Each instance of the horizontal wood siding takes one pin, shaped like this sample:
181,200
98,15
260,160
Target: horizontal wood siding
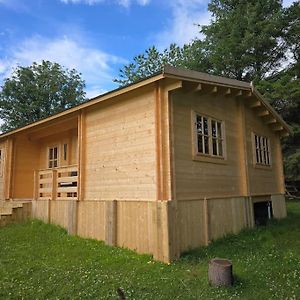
262,180
198,179
3,170
25,162
120,148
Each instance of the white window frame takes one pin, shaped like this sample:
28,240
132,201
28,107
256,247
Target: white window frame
219,137
261,150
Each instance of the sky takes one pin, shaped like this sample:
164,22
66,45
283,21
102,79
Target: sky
96,37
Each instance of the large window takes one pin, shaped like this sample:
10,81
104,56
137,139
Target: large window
262,150
210,140
53,157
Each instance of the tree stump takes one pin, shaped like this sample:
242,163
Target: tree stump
220,272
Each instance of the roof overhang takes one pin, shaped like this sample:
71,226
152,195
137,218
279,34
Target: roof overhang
227,85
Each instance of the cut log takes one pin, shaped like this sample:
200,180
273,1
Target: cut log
220,272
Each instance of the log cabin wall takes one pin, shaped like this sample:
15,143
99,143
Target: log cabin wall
26,154
215,196
119,146
263,180
3,150
140,182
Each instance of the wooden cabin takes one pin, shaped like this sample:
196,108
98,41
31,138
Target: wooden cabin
161,166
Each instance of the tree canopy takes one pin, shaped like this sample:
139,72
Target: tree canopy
252,40
38,91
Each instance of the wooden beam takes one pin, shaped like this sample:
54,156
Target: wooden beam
214,90
249,94
228,92
239,93
263,113
271,121
255,104
192,87
277,128
284,134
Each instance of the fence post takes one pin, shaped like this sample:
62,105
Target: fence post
54,185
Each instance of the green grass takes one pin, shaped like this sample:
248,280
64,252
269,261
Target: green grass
39,261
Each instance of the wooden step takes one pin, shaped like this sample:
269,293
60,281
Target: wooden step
14,212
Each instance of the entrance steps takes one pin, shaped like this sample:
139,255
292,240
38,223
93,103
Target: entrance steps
14,211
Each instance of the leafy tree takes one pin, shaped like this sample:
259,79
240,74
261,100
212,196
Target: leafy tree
283,91
244,39
37,91
146,64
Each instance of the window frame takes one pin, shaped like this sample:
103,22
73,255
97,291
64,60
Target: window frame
209,156
263,147
52,160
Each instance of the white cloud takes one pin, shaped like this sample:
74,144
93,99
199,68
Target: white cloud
95,65
287,3
182,27
125,3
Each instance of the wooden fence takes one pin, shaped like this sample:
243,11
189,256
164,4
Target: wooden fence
57,184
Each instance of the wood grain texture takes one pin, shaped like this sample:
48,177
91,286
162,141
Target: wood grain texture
120,149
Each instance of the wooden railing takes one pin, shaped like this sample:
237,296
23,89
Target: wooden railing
57,184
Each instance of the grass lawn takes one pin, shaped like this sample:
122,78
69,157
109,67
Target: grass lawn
39,261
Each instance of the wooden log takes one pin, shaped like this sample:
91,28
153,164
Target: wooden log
220,272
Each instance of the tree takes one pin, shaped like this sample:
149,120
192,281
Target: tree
191,56
40,90
283,91
244,40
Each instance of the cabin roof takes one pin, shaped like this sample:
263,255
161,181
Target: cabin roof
167,72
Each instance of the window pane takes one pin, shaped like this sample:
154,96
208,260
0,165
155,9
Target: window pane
257,155
206,147
50,164
214,147
219,127
199,125
51,153
65,151
55,163
200,143
55,152
220,148
205,126
213,129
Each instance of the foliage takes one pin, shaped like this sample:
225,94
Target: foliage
40,261
283,91
244,39
252,40
37,91
152,61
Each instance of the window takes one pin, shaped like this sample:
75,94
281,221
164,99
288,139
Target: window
262,150
1,162
209,136
65,151
53,157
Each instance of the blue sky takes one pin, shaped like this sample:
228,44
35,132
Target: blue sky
96,37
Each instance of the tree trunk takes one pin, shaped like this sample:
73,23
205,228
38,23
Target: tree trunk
220,272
